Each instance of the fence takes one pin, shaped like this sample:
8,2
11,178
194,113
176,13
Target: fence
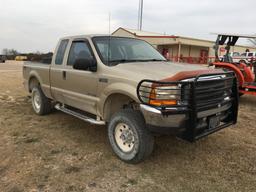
192,60
206,60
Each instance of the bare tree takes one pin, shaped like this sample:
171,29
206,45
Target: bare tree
5,51
38,53
12,52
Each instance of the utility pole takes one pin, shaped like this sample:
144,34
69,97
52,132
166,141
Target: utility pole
140,14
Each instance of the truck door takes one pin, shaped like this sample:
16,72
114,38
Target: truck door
79,87
57,70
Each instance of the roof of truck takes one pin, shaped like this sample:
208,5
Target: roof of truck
87,36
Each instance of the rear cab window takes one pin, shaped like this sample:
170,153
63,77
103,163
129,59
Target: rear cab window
61,52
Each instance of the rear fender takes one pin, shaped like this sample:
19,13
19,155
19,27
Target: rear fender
34,75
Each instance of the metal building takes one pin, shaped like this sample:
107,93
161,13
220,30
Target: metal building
178,48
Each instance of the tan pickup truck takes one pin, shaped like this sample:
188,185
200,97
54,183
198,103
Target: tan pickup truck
127,85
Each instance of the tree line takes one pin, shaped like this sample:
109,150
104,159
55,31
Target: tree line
37,56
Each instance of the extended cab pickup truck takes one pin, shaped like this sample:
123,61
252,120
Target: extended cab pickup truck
129,86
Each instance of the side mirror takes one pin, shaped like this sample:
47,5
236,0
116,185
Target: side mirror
85,64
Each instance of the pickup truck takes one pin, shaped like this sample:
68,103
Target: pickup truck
126,84
248,57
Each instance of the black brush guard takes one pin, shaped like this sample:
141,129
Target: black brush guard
196,96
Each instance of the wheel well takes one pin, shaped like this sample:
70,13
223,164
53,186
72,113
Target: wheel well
33,82
115,102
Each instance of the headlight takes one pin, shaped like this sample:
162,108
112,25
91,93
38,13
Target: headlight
165,95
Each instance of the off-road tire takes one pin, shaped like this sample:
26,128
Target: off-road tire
45,103
143,142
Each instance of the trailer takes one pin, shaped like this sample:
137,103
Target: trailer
246,74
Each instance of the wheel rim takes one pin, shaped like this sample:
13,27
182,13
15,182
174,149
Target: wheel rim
125,137
36,101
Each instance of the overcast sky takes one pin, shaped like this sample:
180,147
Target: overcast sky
31,25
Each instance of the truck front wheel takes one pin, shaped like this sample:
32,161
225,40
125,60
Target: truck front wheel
128,136
41,104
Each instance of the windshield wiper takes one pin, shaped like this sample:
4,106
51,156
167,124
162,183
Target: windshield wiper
134,60
117,61
121,60
153,60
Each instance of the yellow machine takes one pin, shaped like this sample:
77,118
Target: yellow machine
21,58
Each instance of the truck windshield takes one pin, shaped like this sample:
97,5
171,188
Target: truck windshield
116,50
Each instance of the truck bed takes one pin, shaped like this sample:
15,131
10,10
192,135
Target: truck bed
40,71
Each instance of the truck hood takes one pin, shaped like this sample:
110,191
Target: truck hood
159,70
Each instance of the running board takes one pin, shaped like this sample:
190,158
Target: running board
78,115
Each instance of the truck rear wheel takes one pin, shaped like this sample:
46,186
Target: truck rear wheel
41,104
128,136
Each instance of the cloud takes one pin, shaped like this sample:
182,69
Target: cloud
29,25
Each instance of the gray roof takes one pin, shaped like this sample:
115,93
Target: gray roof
237,35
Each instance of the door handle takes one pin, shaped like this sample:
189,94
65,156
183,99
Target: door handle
64,75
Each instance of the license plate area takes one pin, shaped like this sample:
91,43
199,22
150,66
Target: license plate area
213,122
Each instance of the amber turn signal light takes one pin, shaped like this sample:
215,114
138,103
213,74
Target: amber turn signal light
159,102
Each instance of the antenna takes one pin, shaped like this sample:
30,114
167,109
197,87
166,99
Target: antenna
109,33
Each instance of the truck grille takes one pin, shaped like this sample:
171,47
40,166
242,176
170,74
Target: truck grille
203,93
213,93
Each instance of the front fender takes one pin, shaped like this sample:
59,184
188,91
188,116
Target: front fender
117,88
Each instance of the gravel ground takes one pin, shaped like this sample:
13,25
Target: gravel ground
58,152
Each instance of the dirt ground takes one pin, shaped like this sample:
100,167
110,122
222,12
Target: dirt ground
58,152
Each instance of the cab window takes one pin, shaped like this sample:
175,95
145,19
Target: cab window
79,50
61,52
250,54
236,54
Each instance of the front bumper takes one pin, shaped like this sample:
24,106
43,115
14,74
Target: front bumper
176,120
211,105
156,118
